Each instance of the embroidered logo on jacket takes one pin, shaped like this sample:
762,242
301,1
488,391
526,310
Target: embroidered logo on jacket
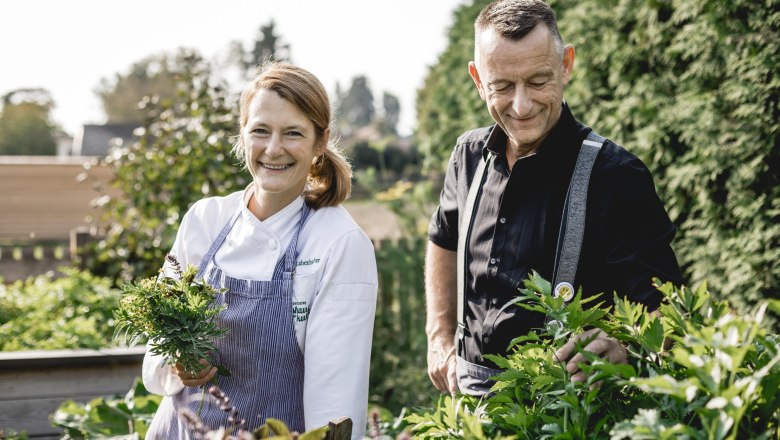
308,262
300,311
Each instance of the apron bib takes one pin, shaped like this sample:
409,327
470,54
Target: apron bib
261,351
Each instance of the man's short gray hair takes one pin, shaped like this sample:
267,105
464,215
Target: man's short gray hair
514,19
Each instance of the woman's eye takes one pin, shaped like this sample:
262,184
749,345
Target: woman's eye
294,133
260,131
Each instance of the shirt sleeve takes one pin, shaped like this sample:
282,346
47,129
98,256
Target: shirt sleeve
338,336
637,235
443,227
156,373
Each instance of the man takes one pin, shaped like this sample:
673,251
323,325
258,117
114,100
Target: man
518,219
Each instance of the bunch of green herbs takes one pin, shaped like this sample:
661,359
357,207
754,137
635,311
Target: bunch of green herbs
177,315
696,370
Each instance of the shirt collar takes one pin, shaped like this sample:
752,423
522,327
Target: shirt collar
282,217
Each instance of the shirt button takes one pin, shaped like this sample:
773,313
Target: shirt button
272,244
494,301
502,220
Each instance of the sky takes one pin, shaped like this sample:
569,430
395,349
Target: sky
67,47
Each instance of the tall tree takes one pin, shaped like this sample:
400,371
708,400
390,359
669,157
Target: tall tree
267,46
25,124
690,87
356,105
391,113
122,94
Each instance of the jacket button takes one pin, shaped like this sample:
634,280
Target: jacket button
492,261
502,220
486,339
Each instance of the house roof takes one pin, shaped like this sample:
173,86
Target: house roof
97,139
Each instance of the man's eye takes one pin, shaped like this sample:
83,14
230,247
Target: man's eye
537,84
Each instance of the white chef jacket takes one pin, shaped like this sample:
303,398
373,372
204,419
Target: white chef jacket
334,298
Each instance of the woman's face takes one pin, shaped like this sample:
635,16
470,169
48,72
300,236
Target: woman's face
280,143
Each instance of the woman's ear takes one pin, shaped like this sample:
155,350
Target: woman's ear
323,144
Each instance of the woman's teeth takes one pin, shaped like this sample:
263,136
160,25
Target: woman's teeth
275,167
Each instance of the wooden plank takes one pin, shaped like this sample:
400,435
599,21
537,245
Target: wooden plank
67,382
30,415
339,429
34,383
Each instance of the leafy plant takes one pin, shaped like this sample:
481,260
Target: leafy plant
128,417
43,313
718,380
176,315
13,435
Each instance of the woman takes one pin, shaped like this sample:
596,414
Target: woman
301,274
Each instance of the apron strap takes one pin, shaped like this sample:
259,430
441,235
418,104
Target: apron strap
572,228
216,244
464,234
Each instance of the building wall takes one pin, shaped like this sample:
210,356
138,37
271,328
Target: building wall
41,198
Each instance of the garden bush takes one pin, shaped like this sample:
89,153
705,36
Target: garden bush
716,377
42,313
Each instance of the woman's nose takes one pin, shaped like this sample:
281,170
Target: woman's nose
274,146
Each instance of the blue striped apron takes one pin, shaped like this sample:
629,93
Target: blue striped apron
261,351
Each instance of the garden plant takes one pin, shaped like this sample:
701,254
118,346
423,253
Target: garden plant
695,370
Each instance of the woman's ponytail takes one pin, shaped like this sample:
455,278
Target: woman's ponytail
330,179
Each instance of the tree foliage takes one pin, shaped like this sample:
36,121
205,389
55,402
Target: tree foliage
267,46
356,105
151,76
692,88
184,154
25,124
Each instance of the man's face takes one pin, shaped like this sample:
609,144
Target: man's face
522,83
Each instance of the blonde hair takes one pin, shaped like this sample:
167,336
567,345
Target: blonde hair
330,177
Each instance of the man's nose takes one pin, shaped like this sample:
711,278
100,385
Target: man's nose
521,101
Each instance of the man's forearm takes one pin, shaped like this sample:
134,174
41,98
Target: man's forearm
440,293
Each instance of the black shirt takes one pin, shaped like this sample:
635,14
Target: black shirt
517,220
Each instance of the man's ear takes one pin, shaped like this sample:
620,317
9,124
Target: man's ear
477,81
567,63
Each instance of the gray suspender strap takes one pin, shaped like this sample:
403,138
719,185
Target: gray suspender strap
464,232
573,219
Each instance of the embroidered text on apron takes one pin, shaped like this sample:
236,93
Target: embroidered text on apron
261,351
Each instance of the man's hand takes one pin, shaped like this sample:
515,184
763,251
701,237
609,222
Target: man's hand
610,349
441,366
441,306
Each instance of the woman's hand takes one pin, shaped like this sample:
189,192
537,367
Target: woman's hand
197,379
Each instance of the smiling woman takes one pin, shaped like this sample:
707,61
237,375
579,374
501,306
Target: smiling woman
300,274
285,128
